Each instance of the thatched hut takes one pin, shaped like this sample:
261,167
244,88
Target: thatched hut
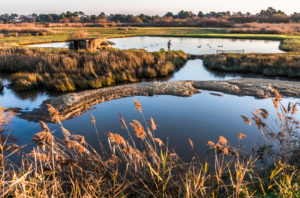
91,44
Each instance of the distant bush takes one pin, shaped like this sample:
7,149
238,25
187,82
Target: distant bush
266,28
26,28
199,22
290,45
79,35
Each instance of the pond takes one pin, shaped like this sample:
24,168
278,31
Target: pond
202,117
195,46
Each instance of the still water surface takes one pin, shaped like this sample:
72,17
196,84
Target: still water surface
195,46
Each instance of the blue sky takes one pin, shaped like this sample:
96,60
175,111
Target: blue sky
143,6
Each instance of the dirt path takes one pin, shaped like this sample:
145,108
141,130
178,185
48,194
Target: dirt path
74,104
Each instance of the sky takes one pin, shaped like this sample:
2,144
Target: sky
151,7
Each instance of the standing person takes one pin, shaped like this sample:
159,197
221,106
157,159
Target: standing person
169,45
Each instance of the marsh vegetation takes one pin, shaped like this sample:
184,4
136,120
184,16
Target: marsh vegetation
285,65
64,70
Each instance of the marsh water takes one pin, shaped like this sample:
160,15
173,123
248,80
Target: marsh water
202,117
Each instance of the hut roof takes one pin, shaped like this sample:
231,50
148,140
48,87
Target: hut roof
111,43
100,40
81,39
105,43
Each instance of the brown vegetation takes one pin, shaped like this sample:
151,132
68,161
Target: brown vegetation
290,45
24,29
266,28
79,35
66,70
193,22
287,65
144,166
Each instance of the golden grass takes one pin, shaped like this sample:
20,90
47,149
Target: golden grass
65,70
79,35
24,29
145,167
286,65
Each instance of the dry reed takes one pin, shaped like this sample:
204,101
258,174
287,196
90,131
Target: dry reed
69,70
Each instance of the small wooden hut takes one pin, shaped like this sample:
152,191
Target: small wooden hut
91,44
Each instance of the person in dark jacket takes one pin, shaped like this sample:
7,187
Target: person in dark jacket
169,45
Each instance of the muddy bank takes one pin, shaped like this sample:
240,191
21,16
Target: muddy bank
74,104
259,88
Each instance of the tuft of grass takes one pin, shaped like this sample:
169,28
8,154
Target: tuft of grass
290,45
26,81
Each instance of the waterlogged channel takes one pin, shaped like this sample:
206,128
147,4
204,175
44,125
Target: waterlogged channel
202,117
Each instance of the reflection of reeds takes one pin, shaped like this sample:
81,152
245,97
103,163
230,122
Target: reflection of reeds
145,167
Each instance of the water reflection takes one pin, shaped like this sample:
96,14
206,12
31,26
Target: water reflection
195,70
25,100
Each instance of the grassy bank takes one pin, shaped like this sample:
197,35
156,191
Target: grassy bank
286,65
62,34
64,70
142,165
290,45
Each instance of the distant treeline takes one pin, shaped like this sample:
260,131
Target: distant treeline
228,18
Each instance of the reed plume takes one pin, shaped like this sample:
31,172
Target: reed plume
138,106
153,125
139,129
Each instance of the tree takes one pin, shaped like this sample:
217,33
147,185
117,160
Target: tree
93,18
185,14
102,15
169,14
200,14
270,11
295,17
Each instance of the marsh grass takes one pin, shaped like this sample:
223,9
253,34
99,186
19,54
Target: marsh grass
64,70
24,29
290,45
142,165
266,28
286,65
